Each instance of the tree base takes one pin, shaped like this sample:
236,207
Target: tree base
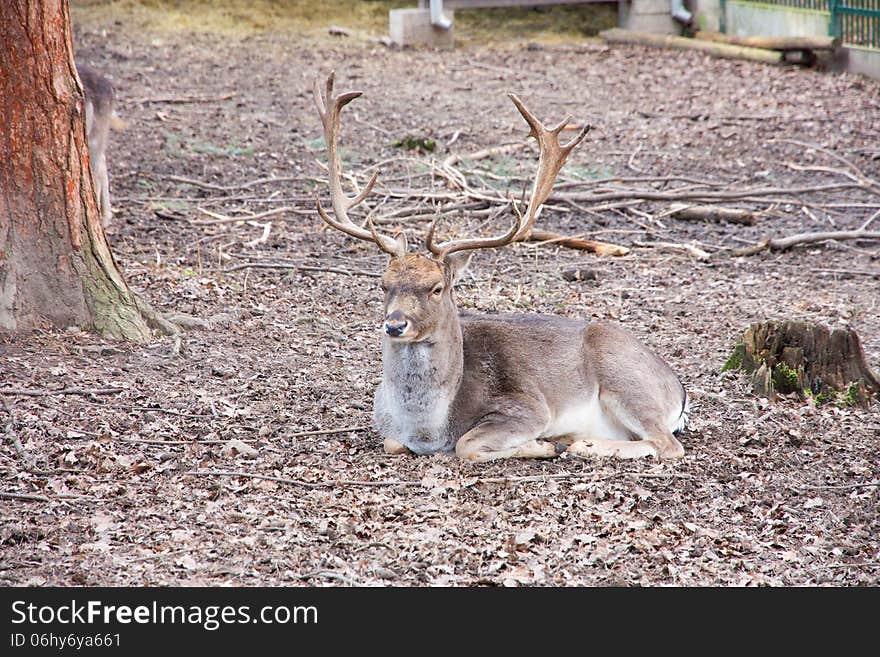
807,359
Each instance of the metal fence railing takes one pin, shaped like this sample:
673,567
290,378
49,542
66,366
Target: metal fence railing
856,22
816,5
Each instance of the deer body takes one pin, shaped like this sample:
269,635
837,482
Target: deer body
490,386
100,97
499,386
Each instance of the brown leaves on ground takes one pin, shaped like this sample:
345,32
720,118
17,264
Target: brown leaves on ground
781,495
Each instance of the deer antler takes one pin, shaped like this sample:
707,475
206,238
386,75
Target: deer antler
329,108
443,250
552,157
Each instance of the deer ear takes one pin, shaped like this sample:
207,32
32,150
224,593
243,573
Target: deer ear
400,238
456,264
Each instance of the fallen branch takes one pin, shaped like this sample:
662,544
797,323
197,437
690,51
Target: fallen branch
601,248
174,100
673,246
225,219
482,154
25,497
701,195
267,229
772,42
282,265
783,243
721,50
712,213
41,498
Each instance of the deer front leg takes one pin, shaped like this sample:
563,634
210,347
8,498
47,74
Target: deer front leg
393,447
510,437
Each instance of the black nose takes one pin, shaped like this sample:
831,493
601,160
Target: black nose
395,324
395,330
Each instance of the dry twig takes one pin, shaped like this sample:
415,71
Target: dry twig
783,243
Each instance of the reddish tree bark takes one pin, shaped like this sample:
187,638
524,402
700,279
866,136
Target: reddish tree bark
56,267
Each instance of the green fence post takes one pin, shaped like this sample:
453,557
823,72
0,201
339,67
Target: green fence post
834,23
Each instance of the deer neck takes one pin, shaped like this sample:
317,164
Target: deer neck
419,383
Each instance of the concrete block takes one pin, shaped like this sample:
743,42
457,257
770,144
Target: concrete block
650,7
653,16
653,23
412,27
708,13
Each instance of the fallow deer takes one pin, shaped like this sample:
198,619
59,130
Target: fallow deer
498,386
100,98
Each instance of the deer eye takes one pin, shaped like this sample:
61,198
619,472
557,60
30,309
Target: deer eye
437,291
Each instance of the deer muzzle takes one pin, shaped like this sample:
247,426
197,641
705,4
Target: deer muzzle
396,324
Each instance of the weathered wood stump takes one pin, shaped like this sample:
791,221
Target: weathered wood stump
807,359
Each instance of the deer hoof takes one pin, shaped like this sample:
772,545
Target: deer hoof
391,446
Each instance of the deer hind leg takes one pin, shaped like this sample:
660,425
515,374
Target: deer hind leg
627,449
649,436
514,437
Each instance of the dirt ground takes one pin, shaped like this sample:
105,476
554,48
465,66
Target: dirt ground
140,483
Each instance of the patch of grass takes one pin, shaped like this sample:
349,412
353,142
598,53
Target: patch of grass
244,17
413,143
540,24
240,17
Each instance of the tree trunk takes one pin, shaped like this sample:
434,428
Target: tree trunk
56,267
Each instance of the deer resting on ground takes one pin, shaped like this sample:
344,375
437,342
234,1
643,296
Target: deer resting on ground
100,97
499,386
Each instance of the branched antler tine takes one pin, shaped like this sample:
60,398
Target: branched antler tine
443,250
328,84
376,236
559,127
535,125
429,238
578,138
365,191
330,108
552,157
319,99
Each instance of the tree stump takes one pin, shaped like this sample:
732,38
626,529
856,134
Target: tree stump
808,359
